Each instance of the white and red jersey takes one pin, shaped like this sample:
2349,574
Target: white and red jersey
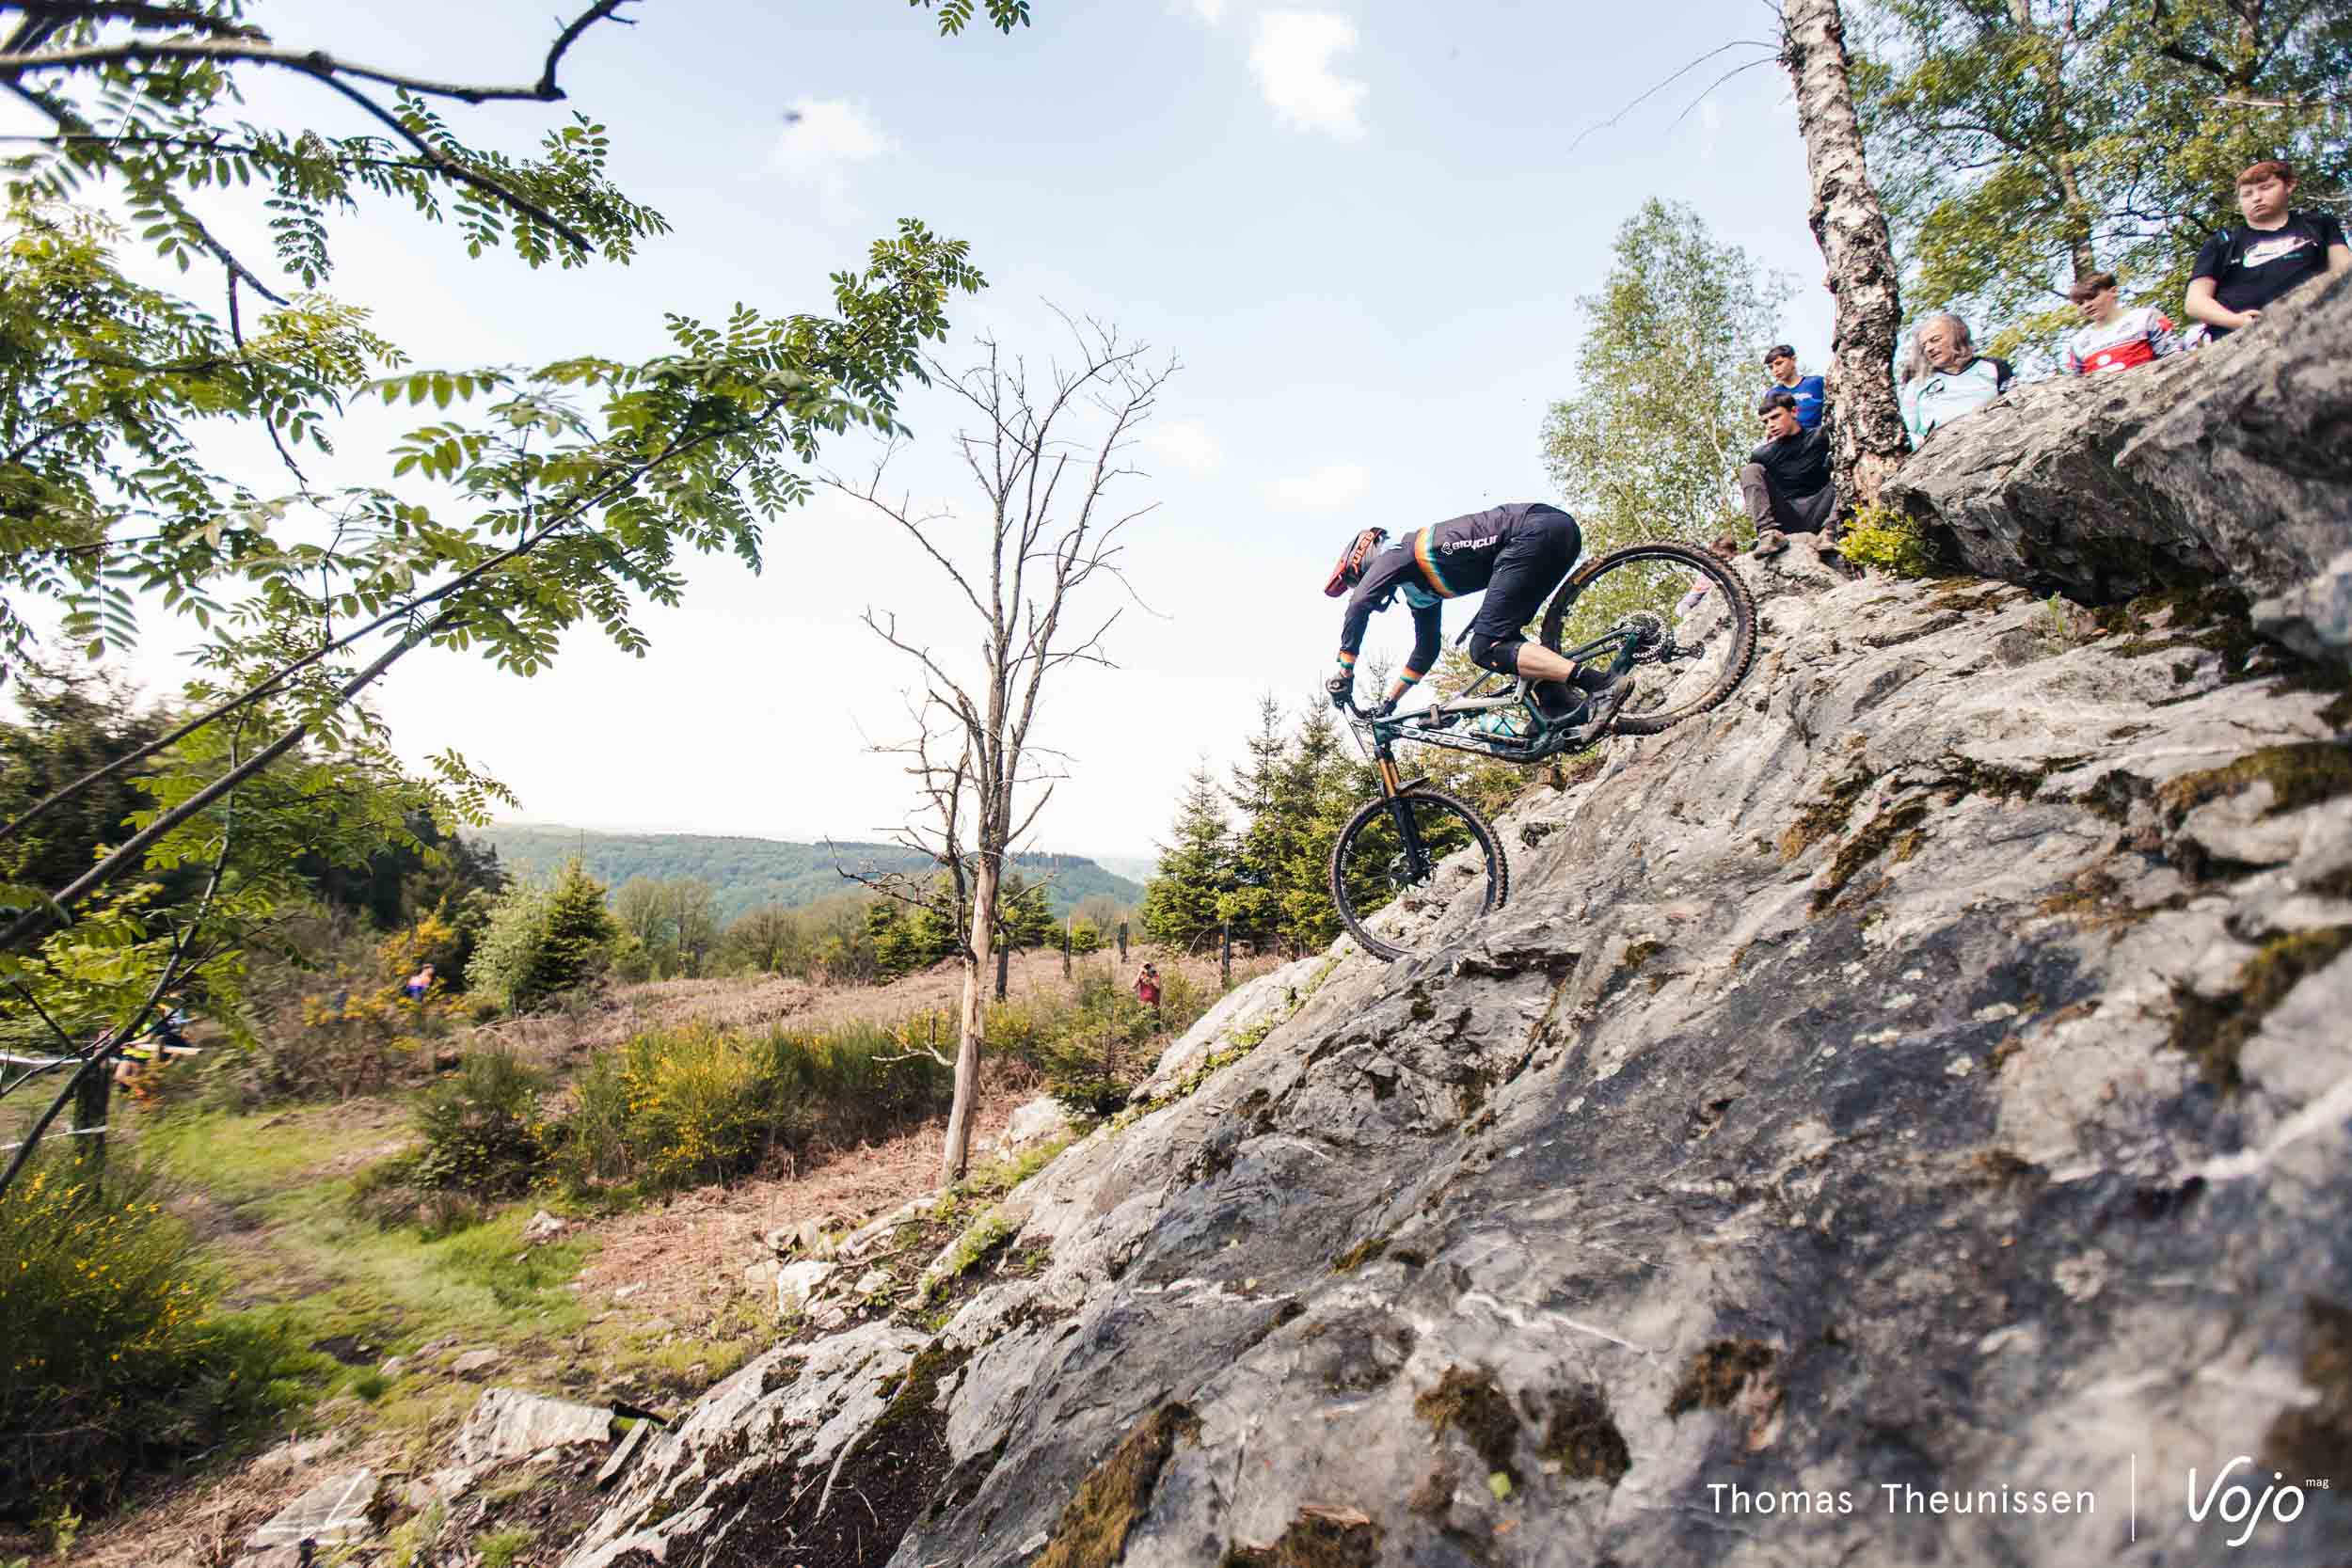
2127,339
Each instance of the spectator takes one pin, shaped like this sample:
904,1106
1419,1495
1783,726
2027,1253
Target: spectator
1724,549
1787,484
2112,338
415,987
1147,991
1946,377
2243,269
1811,392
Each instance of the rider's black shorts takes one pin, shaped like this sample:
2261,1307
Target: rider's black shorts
1534,561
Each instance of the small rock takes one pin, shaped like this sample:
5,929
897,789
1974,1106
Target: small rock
872,1282
288,1458
509,1423
796,1282
759,1273
333,1511
829,1316
544,1226
474,1361
1034,1123
627,1291
391,1366
621,1455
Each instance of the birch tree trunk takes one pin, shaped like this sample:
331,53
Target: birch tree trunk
954,1154
1851,228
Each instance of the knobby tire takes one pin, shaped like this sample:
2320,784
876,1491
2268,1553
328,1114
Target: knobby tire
1724,580
1375,813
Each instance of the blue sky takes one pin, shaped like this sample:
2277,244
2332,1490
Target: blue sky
1360,228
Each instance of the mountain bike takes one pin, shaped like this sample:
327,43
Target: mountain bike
1407,860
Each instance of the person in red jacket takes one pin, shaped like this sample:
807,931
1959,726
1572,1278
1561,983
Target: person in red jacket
1147,991
2112,338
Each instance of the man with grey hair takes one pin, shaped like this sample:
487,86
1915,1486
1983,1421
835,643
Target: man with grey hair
1946,377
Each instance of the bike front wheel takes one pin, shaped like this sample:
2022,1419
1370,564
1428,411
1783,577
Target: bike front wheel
1403,859
1628,608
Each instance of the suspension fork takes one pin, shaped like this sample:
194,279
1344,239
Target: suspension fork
1407,831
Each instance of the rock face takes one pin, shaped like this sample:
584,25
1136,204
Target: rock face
2234,461
1924,1079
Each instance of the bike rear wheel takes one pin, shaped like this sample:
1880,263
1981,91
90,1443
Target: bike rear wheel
1619,609
1389,859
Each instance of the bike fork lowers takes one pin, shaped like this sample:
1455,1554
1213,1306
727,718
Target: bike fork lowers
1407,831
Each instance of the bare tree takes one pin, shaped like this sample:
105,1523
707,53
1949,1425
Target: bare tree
1046,451
1850,225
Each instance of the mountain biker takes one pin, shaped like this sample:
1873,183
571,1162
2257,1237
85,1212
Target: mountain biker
1517,553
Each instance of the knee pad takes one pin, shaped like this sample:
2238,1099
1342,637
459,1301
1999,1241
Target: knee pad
1501,655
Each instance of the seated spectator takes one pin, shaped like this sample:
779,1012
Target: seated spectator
1946,377
1811,394
1724,549
2244,268
1787,484
417,985
2112,338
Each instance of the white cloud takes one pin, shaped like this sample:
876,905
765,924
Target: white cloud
1292,58
1333,487
1210,11
1186,443
821,134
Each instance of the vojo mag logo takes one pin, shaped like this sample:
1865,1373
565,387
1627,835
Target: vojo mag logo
2235,1502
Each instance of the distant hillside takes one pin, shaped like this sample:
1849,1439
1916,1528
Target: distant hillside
749,873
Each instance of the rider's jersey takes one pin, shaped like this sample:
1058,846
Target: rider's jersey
1444,559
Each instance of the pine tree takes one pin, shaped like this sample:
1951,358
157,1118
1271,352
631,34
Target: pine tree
1182,901
577,940
1252,906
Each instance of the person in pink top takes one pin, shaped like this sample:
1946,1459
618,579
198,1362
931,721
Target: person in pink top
2112,338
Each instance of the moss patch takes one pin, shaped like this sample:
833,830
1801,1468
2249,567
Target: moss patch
1826,816
1361,1253
1318,1538
1892,829
1582,1439
2316,1439
1642,952
1717,1374
1115,1494
2299,775
2215,1029
1466,1401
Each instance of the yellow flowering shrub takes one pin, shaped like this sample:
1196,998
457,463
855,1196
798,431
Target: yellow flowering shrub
110,1361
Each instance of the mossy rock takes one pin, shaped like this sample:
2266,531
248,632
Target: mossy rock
1117,1492
2215,1029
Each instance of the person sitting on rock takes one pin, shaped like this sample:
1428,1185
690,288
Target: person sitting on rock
1946,377
1786,483
2243,269
2112,338
1811,392
1725,548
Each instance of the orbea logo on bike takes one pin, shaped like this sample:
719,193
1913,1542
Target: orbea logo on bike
2236,1503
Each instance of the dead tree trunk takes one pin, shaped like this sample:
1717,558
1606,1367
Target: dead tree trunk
1851,228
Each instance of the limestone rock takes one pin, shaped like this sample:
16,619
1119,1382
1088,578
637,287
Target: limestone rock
332,1513
796,1283
2314,619
1034,1123
474,1361
508,1423
1926,1070
543,1226
2231,462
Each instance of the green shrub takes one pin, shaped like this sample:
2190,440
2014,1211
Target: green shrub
499,1548
113,1366
482,1130
1881,537
542,941
694,1105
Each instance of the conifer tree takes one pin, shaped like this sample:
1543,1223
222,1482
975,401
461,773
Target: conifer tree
1182,901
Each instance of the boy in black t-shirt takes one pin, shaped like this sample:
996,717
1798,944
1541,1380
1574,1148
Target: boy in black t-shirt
2243,269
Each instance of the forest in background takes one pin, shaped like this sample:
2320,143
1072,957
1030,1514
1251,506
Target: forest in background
745,874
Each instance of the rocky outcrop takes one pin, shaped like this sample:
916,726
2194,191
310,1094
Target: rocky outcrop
1900,1117
2232,462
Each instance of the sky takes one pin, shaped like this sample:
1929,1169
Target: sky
1359,232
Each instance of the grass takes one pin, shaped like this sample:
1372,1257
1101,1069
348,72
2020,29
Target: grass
316,1270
